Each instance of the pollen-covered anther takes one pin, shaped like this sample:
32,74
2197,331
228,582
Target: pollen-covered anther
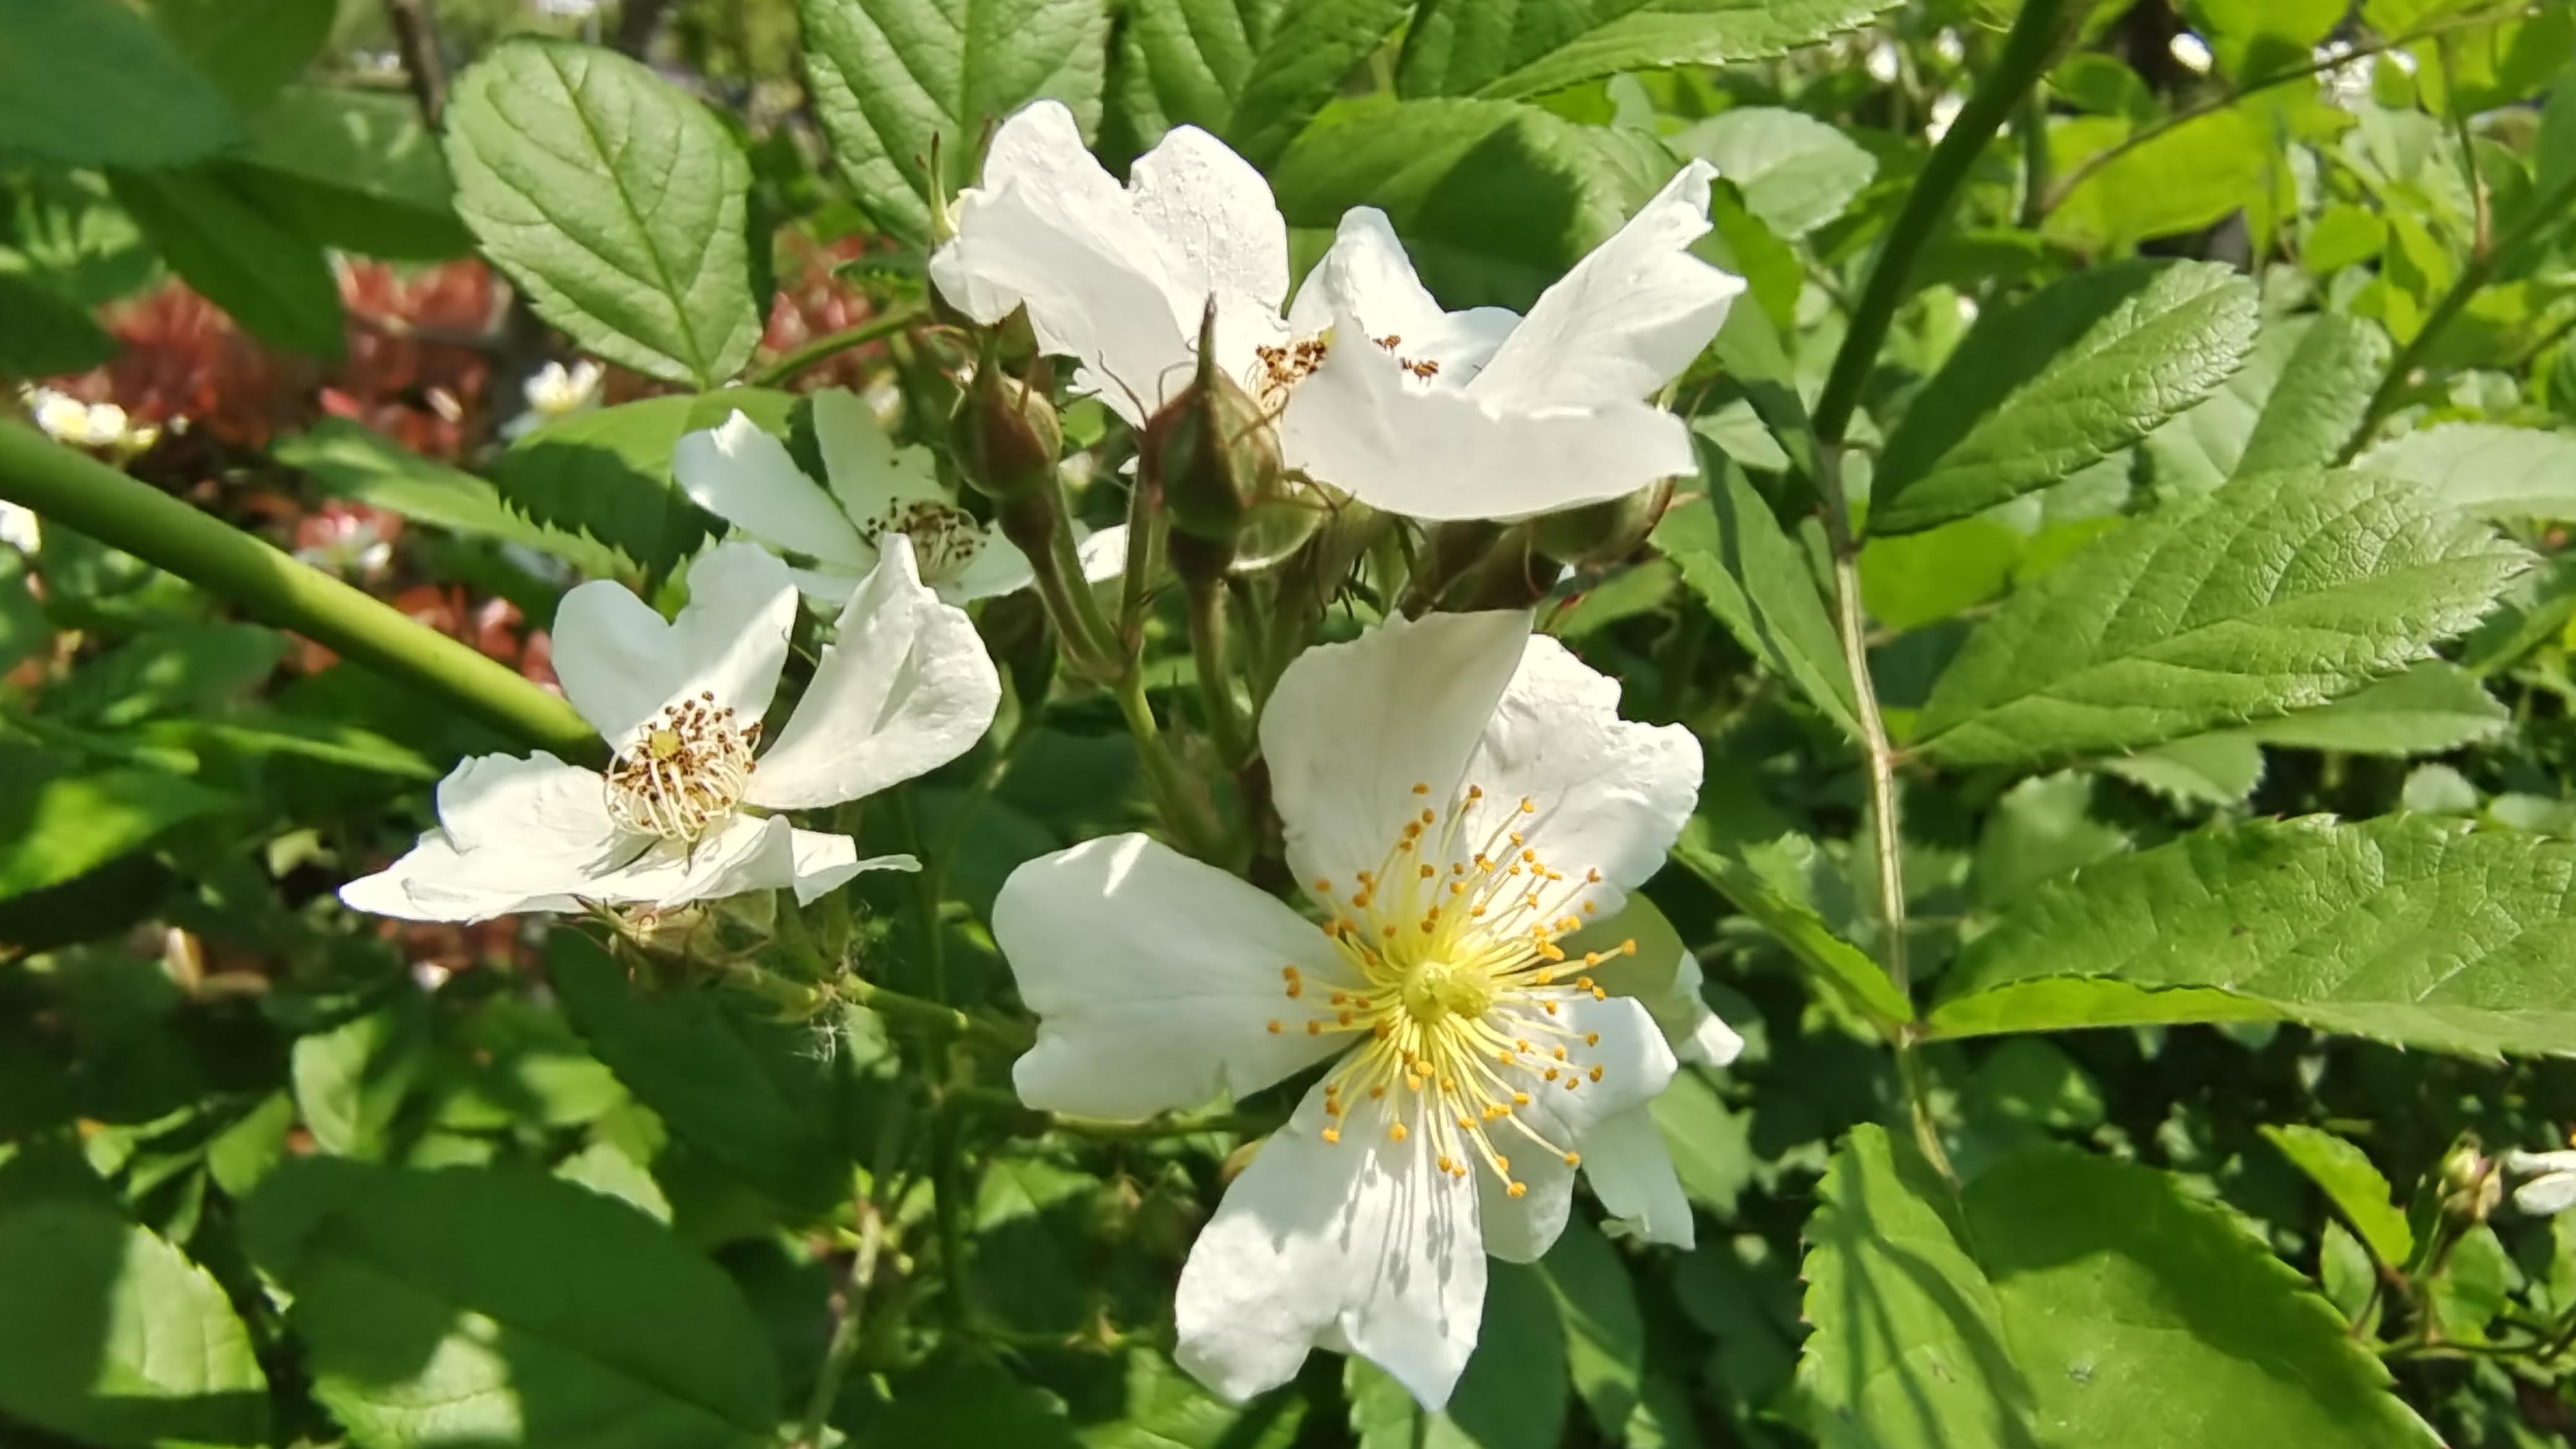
684,772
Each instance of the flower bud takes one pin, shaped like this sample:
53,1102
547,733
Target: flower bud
1005,435
1210,454
1598,535
2471,1186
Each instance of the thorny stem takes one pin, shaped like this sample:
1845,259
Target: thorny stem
787,366
81,493
2083,171
2026,53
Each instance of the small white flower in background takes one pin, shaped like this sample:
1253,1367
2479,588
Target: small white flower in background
105,426
1381,393
875,490
1883,63
2190,52
2347,77
904,688
20,529
555,392
2548,1181
1460,797
1947,45
1945,114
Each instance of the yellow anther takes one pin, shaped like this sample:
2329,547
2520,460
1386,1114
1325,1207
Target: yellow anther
1573,1082
1339,997
1520,1099
1568,923
1457,867
1387,931
1504,1057
1592,1038
1428,817
1377,1091
1466,1126
1344,1017
1527,808
1521,1045
1448,1084
1545,977
1419,788
1332,1134
1560,1054
1296,988
1275,1028
1574,1159
1596,1071
1628,947
1396,1132
1444,1162
1518,1189
1323,887
1529,855
1475,792
1412,1083
1600,995
1502,1163
1429,871
1591,907
1582,983
1366,878
1332,1107
1592,877
1549,1005
1316,1028
1551,1074
1591,958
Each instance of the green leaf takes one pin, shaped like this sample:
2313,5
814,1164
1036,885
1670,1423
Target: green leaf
183,669
355,170
1909,1349
2276,593
222,241
1254,72
2432,708
2181,181
751,1093
2410,929
248,48
2299,397
2042,828
898,82
351,1081
1749,873
2353,1184
1605,1333
91,83
1494,200
108,1335
61,817
2067,1300
469,1305
1470,47
43,334
1710,1142
1512,1396
608,473
2485,469
2217,769
1161,1407
2344,235
1758,583
2086,367
614,199
1796,172
349,460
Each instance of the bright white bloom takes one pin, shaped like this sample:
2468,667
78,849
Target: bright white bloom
20,529
905,687
1949,46
1475,414
555,392
2191,52
67,419
749,479
1945,114
2549,1181
1883,63
2347,81
1459,795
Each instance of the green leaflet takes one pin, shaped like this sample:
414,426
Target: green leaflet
61,815
110,1336
2296,401
220,236
355,170
1605,1333
1464,47
248,48
42,333
2485,469
469,1304
1796,172
349,460
897,82
1512,1396
1757,581
2277,593
2085,367
2353,1184
2409,929
608,473
1254,72
2067,1302
92,83
615,199
2433,707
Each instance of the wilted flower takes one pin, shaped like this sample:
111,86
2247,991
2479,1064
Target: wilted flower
749,479
905,688
1378,390
1460,797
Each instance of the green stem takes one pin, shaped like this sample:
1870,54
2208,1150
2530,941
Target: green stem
2035,160
1136,585
2473,278
933,1017
1163,778
1211,652
925,894
80,493
823,349
2025,55
838,1355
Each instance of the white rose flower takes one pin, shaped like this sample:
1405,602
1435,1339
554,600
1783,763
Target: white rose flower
554,392
1410,408
749,479
2549,1181
1458,795
904,688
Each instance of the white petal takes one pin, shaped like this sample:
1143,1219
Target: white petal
1631,1171
620,664
997,568
1609,794
1367,277
1051,231
1629,317
1352,728
1362,424
904,687
869,474
2519,1162
1697,1035
1635,1066
1360,1242
2543,1196
1155,979
1224,233
747,853
829,588
515,835
823,862
1103,554
745,477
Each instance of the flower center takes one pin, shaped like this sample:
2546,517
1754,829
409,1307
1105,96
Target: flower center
684,772
1278,369
945,538
1460,1024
